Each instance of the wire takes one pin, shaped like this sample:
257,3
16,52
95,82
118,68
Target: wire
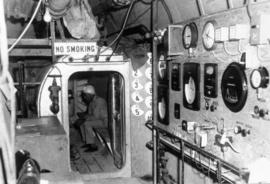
167,9
26,28
124,23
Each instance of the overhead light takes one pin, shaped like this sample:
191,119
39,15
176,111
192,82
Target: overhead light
47,16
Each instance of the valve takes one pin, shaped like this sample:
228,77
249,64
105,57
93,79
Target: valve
223,140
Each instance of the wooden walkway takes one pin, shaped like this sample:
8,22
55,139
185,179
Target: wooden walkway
92,162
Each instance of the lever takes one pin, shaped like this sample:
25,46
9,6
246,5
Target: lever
226,141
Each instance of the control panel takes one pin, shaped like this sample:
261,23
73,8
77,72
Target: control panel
219,96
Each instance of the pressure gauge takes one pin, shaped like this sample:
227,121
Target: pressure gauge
162,108
208,35
190,36
162,104
162,65
190,91
259,78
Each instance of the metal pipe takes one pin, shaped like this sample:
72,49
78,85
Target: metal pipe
154,17
200,7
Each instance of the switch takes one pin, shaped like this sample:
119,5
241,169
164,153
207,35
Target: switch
184,125
177,111
260,29
263,112
203,139
237,130
188,126
256,109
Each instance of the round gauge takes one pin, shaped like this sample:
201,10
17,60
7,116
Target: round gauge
190,36
209,70
190,90
234,87
162,67
162,108
259,78
208,35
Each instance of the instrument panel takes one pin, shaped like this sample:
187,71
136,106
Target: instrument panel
218,96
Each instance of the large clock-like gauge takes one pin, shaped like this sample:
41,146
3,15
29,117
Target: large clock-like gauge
191,86
190,36
208,35
234,87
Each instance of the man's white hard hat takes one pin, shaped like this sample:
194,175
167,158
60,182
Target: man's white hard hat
89,89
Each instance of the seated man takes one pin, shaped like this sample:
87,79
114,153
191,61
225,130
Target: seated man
95,116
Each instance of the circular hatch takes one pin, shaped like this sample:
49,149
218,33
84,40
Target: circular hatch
234,87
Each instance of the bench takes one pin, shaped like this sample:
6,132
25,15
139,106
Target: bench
104,137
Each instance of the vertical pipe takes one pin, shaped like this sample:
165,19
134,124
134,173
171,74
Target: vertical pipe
52,30
229,4
183,162
200,7
21,105
154,16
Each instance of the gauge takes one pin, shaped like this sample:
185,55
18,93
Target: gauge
162,67
162,108
162,104
234,87
208,35
259,78
210,80
190,91
209,70
191,86
190,36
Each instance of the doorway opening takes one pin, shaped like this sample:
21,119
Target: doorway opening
110,138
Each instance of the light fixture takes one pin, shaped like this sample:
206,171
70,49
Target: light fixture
47,16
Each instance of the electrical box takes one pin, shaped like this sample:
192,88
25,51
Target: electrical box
260,30
239,31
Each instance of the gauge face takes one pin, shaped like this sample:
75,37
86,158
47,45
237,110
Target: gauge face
234,87
190,36
259,78
208,35
255,79
190,90
162,108
209,70
162,67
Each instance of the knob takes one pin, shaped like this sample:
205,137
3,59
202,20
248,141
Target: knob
245,132
263,112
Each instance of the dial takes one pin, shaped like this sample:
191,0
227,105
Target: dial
190,90
234,87
162,67
162,108
190,36
208,35
259,78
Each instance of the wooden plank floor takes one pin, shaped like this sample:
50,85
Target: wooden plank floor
91,162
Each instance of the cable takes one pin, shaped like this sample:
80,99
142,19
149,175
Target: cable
124,23
26,28
167,9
